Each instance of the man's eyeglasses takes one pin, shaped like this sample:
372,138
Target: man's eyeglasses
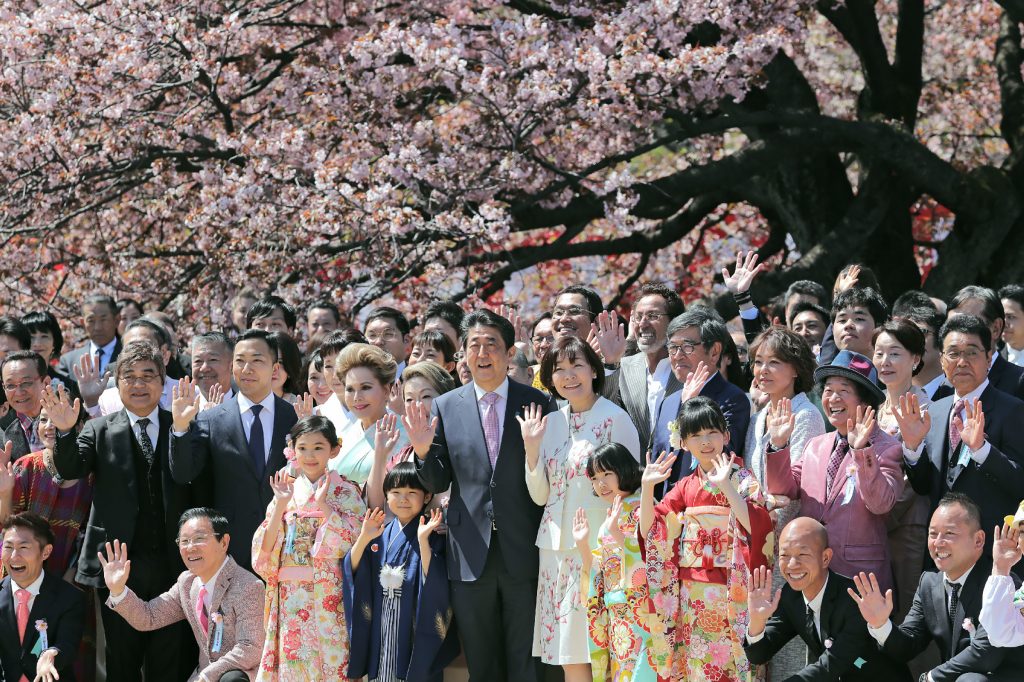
543,339
570,311
386,336
683,349
195,540
144,379
649,317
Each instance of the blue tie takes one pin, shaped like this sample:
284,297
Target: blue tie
256,451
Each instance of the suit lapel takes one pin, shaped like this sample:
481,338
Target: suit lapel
937,597
828,609
40,607
513,406
840,482
231,421
8,618
223,583
471,423
122,449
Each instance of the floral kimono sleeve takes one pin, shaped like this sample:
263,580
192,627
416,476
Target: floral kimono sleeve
340,528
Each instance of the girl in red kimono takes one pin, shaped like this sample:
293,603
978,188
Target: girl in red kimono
700,544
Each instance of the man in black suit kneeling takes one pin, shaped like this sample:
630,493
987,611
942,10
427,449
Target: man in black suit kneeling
813,605
41,616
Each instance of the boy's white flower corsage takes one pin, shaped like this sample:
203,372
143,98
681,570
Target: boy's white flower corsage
969,626
828,643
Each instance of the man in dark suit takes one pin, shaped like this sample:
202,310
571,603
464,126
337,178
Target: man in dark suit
33,602
100,318
136,501
644,379
812,605
698,336
984,303
239,443
968,442
24,377
946,605
474,444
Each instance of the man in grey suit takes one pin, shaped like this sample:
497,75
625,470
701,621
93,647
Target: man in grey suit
239,443
646,378
100,318
474,444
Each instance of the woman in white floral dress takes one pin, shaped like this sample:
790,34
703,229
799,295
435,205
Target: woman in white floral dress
557,449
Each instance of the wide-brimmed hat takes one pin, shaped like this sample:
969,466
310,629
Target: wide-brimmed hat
856,368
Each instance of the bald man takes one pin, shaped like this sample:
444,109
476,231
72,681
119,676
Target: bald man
814,606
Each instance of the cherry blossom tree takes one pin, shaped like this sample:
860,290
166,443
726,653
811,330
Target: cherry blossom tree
181,150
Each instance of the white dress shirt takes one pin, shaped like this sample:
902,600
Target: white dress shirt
979,456
210,587
1002,612
881,634
657,381
108,350
499,404
814,605
933,385
1015,356
266,418
152,430
33,591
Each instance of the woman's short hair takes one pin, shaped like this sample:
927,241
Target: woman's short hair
379,362
431,372
700,413
313,425
614,457
569,348
43,322
790,348
437,340
908,334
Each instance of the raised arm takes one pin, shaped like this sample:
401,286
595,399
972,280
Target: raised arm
190,438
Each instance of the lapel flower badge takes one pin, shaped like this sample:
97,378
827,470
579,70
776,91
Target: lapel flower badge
828,643
674,441
851,471
969,627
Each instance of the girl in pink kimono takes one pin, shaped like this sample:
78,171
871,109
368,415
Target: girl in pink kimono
311,524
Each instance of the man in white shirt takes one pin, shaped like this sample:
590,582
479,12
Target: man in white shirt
946,605
1012,297
222,602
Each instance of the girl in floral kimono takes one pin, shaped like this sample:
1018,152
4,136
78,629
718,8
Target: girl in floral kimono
396,589
700,544
310,525
615,591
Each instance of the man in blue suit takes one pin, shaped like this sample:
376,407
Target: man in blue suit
474,444
239,443
698,336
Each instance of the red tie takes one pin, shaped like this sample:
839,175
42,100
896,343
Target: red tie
204,620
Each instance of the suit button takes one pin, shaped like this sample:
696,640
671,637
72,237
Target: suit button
493,484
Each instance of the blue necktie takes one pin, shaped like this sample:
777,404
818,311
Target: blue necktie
256,450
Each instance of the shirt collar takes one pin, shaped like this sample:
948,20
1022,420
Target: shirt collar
815,604
973,395
661,371
244,404
154,417
213,581
961,580
34,588
502,391
992,360
108,349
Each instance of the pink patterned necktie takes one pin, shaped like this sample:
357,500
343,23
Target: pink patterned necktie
21,611
954,432
490,401
834,461
204,620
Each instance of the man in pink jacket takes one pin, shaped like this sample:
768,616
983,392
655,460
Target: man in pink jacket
222,601
850,479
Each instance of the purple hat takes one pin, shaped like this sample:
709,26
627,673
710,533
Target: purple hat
856,368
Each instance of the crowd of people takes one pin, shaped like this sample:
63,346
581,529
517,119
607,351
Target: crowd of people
826,487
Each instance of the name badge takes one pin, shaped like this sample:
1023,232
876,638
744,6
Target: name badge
851,484
218,631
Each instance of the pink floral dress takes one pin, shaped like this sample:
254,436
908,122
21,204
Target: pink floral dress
561,484
305,619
